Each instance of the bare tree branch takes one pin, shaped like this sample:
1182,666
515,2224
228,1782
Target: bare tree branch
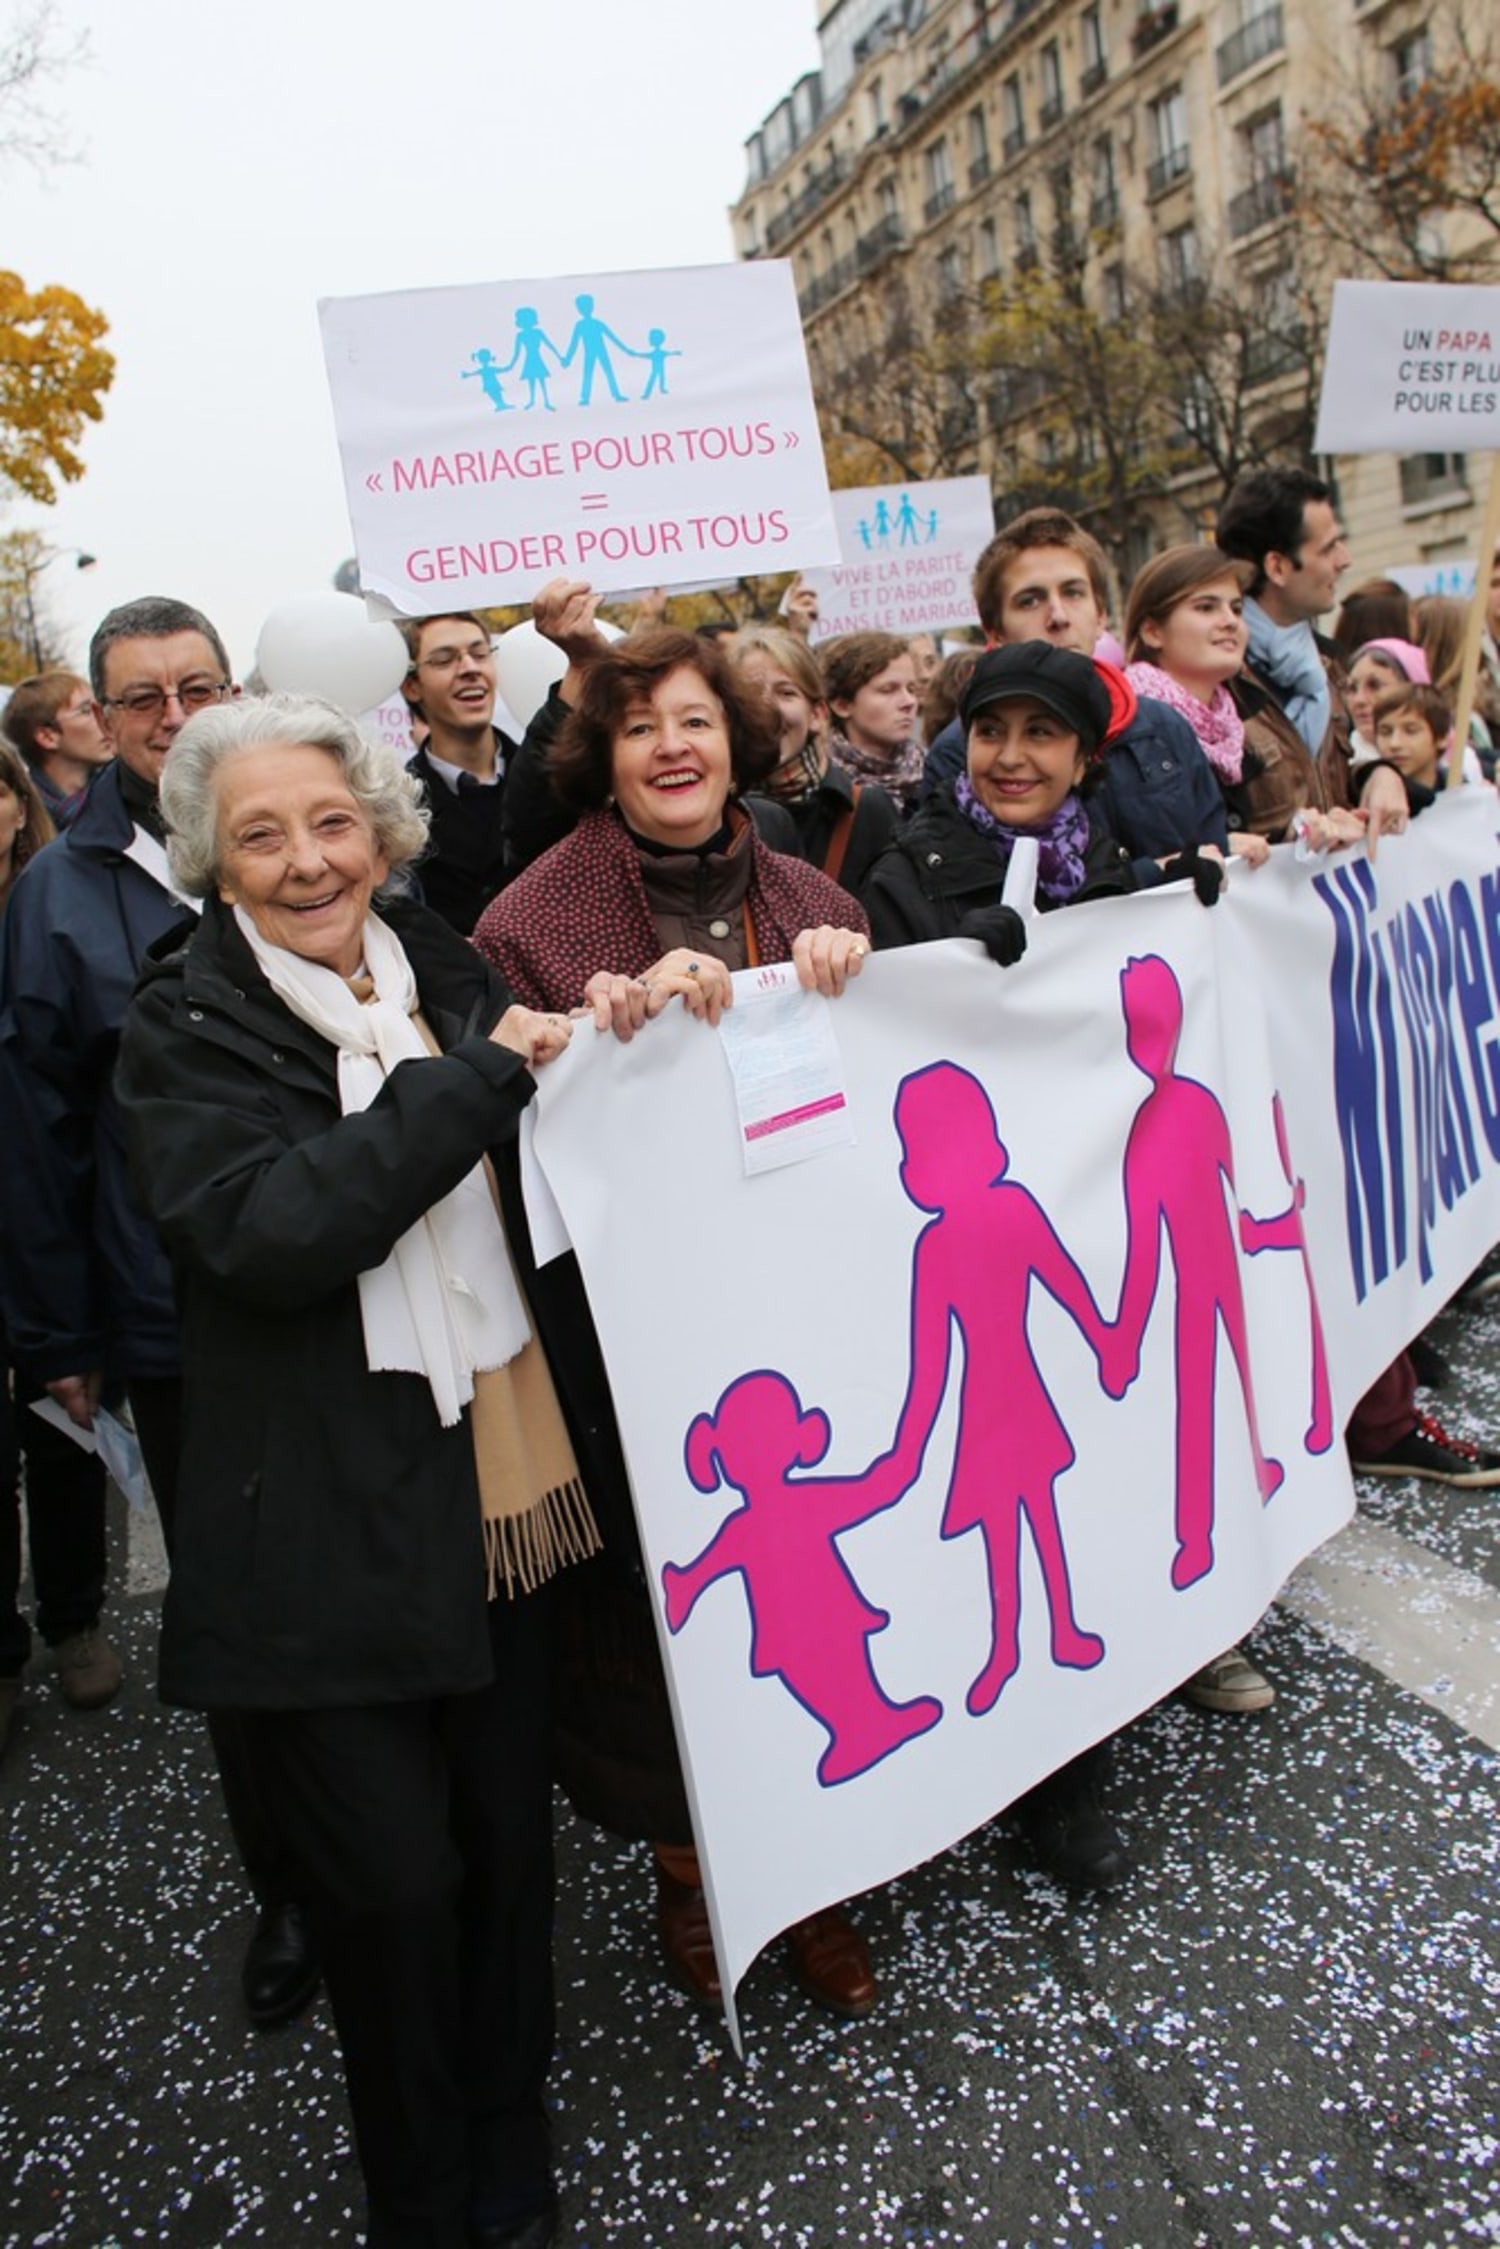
35,53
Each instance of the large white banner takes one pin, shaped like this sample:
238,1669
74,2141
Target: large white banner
956,1446
908,553
626,428
1411,367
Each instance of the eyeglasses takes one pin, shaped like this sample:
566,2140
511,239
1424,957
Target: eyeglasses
449,659
150,702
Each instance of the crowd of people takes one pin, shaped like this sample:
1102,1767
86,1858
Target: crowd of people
272,1002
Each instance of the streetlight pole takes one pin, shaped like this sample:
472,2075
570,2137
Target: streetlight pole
30,572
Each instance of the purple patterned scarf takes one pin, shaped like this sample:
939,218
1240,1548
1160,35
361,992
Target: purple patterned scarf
1062,841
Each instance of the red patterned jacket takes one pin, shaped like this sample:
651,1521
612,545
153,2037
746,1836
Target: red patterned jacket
582,906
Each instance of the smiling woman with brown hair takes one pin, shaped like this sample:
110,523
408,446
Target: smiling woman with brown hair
660,893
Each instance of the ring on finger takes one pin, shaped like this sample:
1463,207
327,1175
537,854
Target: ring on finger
692,968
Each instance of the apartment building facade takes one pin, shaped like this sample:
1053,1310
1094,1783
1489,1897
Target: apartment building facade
951,147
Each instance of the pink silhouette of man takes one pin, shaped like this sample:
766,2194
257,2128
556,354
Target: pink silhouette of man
1287,1232
1178,1164
972,1270
811,1626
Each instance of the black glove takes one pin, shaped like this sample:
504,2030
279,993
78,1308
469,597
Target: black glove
1206,875
1000,931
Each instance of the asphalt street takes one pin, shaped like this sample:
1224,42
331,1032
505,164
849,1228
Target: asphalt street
1285,2031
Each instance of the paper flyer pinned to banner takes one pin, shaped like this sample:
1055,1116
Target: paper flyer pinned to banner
626,428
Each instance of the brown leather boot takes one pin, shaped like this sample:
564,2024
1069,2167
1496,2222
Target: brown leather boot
831,1961
687,1943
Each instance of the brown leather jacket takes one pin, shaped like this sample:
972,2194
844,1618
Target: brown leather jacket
1282,777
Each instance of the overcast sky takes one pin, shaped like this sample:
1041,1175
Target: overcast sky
239,161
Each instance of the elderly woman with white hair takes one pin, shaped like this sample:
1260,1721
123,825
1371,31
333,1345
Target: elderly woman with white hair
376,1478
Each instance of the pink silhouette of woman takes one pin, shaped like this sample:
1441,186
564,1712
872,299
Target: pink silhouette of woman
972,1269
811,1625
1286,1231
1178,1164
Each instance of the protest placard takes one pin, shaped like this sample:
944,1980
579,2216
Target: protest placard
623,428
1411,367
907,553
1455,579
1414,367
979,1432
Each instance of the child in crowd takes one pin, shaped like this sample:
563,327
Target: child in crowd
1378,666
1414,733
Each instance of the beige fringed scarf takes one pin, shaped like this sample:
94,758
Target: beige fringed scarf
536,1512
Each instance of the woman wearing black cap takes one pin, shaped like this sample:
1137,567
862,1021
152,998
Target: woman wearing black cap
1035,717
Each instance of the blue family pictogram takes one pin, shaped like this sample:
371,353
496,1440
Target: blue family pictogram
907,527
986,1244
593,348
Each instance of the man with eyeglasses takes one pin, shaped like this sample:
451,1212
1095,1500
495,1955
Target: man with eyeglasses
450,684
52,722
87,1289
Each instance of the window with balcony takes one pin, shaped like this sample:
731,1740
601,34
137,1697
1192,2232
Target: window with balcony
1411,63
1026,253
1434,480
1112,299
989,250
1012,116
1166,126
939,176
1152,25
1278,342
1181,261
979,148
1095,65
1050,61
1260,33
1104,193
950,274
1263,159
888,201
1065,243
875,98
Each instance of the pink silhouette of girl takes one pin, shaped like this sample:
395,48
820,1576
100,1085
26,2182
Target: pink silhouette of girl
811,1625
972,1269
1287,1232
1178,1163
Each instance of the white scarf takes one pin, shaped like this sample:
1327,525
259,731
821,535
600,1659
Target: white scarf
445,1302
147,853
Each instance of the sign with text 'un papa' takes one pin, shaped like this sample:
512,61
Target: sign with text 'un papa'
1411,367
628,428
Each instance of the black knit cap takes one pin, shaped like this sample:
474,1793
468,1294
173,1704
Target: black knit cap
1066,683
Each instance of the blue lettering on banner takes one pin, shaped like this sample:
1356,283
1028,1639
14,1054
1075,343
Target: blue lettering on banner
1406,1098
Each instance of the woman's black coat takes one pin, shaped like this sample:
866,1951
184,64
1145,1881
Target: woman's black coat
328,1546
940,868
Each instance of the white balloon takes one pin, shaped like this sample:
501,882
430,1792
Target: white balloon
528,667
324,644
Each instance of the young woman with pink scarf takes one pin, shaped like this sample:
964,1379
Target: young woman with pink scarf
1185,638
